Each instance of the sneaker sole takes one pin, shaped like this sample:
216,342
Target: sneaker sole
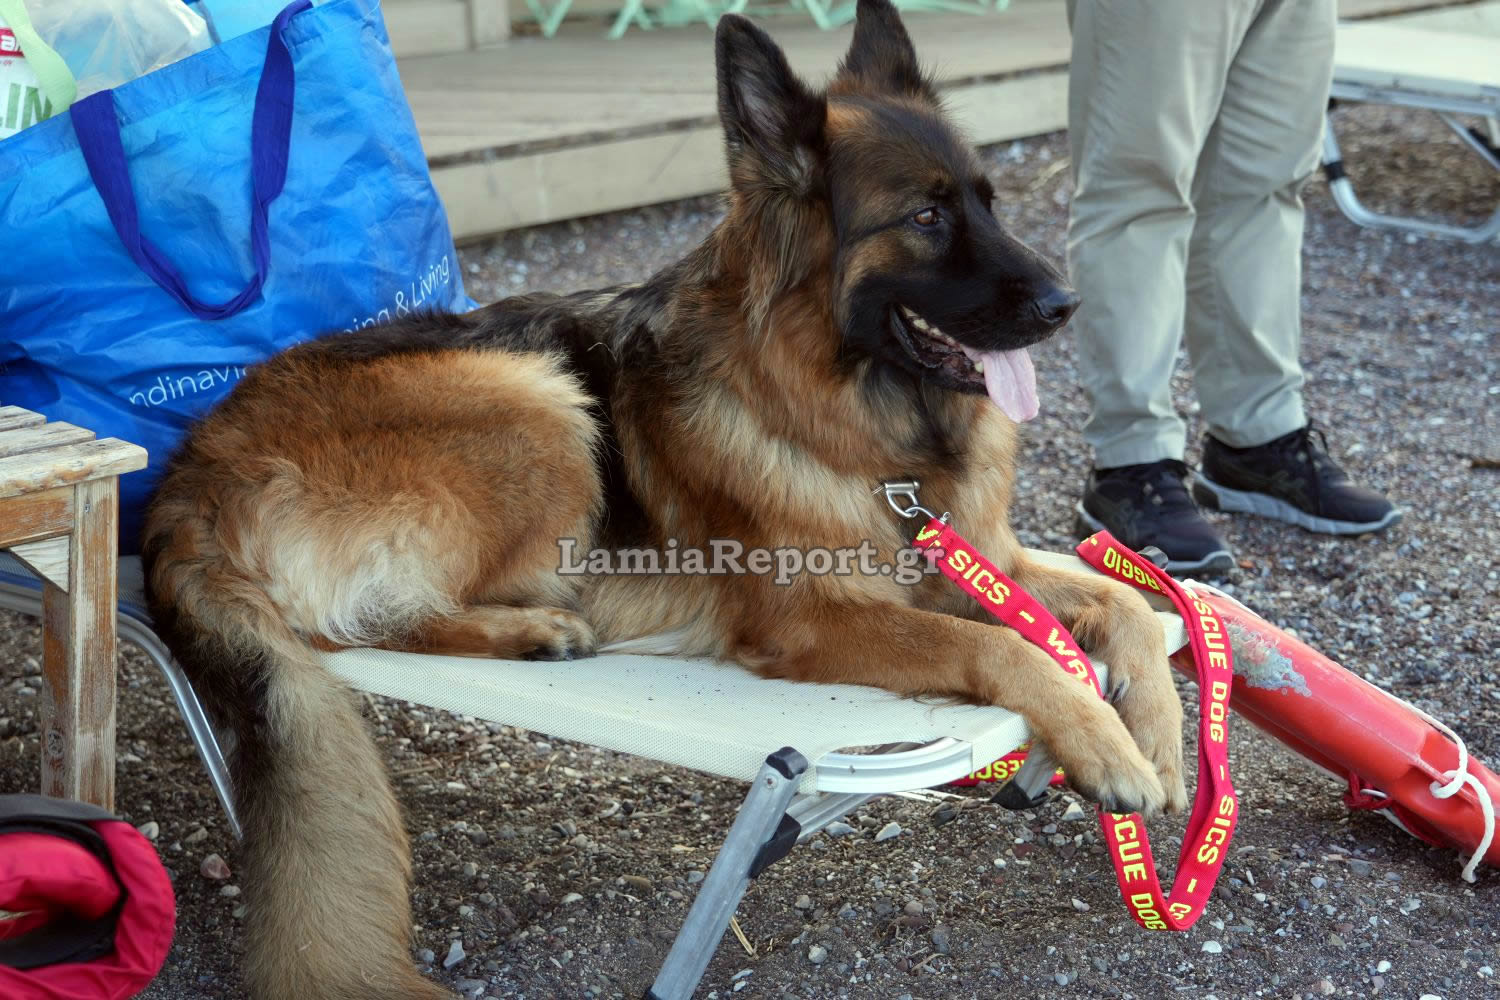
1219,560
1210,494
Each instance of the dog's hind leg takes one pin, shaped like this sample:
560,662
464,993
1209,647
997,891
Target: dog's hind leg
503,632
1114,623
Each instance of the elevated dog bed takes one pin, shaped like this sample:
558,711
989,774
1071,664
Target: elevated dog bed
836,745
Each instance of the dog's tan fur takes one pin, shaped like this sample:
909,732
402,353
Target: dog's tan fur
409,492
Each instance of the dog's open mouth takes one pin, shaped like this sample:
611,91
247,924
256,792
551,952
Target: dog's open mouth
1006,376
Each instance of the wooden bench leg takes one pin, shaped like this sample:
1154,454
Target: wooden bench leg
78,656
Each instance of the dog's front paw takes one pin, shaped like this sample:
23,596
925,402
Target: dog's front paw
556,634
1103,762
1152,712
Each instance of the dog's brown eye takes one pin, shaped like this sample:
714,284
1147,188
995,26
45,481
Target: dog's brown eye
926,217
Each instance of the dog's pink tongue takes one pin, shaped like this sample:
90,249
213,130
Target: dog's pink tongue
1011,381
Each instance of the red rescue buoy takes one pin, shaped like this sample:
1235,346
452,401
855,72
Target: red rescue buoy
1395,758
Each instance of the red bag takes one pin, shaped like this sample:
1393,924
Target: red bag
89,907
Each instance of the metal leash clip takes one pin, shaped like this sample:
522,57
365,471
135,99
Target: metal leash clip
907,489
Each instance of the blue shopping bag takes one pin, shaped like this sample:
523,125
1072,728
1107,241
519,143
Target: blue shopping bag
165,235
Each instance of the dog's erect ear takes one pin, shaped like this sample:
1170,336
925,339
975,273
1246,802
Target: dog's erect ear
881,58
773,124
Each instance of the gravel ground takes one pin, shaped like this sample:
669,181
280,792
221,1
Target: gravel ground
564,871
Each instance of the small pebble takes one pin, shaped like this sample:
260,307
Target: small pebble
888,832
1319,882
1383,966
804,902
455,955
1080,905
229,891
1074,812
196,837
150,830
838,829
571,898
214,867
1357,867
426,956
1212,947
817,954
940,942
1060,978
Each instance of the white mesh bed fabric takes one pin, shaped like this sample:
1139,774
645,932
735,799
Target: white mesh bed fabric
710,716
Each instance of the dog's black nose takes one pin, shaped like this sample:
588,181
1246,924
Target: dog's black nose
1056,306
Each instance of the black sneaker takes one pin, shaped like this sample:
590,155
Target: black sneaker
1148,504
1290,479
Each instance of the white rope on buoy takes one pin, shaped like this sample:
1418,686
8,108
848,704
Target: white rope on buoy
1456,779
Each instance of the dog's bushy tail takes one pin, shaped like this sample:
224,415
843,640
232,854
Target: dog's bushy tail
326,857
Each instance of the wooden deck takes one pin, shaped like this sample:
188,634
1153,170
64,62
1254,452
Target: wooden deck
537,130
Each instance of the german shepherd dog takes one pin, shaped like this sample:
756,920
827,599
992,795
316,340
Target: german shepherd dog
858,315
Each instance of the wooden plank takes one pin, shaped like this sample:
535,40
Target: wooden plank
48,559
1391,54
12,417
488,197
489,22
551,129
427,27
74,463
1360,9
484,198
40,437
1480,19
568,88
78,657
35,516
1011,109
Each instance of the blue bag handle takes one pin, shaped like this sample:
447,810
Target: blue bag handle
98,129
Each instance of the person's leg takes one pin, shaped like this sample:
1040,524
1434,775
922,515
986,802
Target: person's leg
1244,282
1244,277
1145,82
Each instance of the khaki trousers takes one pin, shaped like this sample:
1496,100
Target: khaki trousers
1193,126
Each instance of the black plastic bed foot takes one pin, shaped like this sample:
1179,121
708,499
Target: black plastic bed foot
1012,797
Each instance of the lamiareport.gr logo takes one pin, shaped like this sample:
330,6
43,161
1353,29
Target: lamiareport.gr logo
729,557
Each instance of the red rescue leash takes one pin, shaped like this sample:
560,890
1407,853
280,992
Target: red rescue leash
1215,806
